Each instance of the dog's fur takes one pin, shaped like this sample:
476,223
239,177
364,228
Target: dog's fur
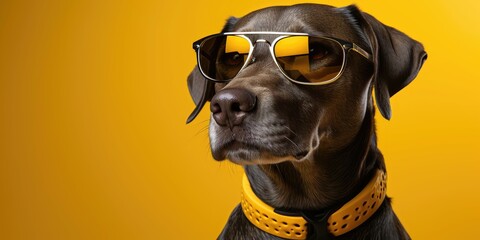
312,147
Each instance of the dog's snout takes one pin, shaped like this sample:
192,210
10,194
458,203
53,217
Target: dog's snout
230,106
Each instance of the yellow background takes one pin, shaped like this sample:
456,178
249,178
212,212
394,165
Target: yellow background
93,102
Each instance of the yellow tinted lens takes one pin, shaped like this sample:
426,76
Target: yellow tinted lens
292,46
222,57
237,44
309,59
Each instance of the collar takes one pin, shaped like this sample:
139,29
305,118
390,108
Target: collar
349,216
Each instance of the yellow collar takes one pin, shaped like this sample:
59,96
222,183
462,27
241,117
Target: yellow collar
348,217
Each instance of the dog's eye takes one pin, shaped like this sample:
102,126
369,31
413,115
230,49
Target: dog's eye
318,51
233,59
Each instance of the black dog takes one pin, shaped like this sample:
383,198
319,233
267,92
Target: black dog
307,149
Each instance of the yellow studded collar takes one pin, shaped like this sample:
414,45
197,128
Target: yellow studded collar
348,217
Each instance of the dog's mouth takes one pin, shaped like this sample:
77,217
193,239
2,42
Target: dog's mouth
252,152
268,139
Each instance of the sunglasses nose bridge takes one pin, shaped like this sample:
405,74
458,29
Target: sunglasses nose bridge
262,41
253,58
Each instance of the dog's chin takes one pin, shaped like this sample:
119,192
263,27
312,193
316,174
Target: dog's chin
249,155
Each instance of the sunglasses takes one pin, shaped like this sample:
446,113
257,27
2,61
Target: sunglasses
302,58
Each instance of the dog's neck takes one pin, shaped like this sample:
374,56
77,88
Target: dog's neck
323,183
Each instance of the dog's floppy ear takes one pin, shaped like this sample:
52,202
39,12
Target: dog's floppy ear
202,90
397,58
196,85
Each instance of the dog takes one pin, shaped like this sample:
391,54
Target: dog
308,145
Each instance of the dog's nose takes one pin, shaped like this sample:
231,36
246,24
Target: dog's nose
230,106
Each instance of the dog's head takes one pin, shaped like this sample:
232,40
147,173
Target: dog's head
262,117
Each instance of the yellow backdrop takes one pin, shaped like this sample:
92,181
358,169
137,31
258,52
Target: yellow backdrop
93,102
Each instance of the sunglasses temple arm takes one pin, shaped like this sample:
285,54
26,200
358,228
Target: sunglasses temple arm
207,92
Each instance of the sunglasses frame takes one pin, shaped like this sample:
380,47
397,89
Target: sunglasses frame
346,47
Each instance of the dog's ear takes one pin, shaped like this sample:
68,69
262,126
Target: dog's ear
196,85
397,58
201,90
